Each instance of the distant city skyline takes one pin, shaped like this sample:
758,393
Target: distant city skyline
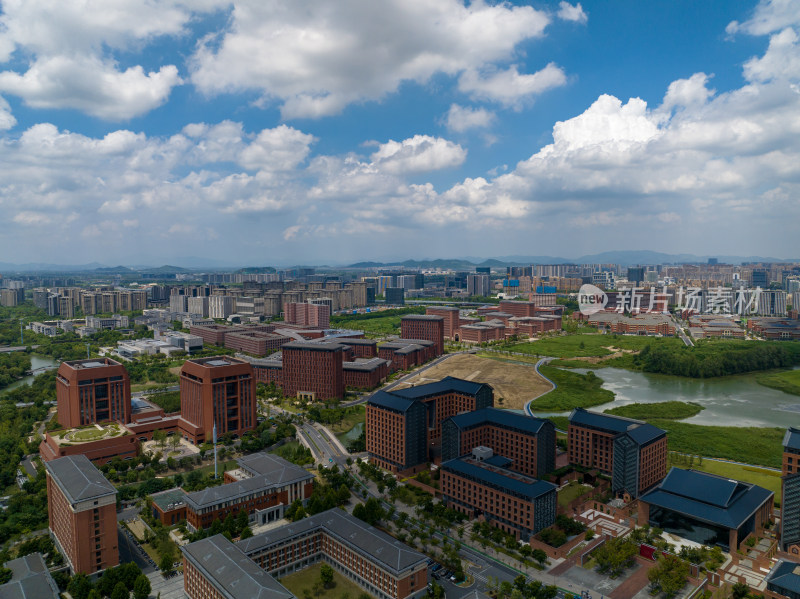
246,133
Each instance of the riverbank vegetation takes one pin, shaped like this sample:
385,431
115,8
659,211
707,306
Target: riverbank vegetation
670,410
13,366
588,345
573,390
787,381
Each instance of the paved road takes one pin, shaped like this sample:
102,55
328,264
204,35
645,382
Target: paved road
129,551
541,362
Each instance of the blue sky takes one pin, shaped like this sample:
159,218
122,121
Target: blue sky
282,132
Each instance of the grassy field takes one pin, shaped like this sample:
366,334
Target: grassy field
298,582
670,410
515,383
574,391
787,381
352,418
570,492
221,467
585,345
769,479
761,446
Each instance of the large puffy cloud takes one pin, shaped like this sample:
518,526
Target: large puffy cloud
768,16
781,60
68,48
316,58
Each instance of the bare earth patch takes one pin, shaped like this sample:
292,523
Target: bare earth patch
515,383
617,353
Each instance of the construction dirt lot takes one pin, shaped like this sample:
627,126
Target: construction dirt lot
515,383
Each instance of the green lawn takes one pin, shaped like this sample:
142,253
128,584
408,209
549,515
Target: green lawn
751,445
571,492
587,345
298,582
221,466
769,479
787,381
573,390
349,421
672,410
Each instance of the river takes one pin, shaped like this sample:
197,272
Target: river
728,401
37,361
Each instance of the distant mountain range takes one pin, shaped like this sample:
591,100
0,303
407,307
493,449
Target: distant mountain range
188,264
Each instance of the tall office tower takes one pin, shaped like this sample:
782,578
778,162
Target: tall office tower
478,285
94,390
82,509
219,390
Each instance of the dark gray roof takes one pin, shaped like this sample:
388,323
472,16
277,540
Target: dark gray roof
357,341
30,579
606,422
79,479
646,433
364,365
502,418
276,475
312,345
707,497
446,385
514,483
390,401
422,342
784,578
278,469
791,440
377,546
231,572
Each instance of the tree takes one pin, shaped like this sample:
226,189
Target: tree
326,575
120,591
539,555
160,437
174,441
141,588
80,586
5,575
165,564
740,590
94,594
670,575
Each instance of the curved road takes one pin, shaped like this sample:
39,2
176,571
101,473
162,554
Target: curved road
528,409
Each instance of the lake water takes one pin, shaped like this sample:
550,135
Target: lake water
728,401
353,434
36,362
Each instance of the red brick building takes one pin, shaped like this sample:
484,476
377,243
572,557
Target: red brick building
633,452
405,354
58,444
530,443
360,348
450,316
481,486
365,373
531,308
82,510
424,326
214,334
404,427
308,314
482,332
257,343
94,390
385,568
219,390
313,370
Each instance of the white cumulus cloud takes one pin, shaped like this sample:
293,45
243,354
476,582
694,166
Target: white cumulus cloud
418,154
568,12
509,87
462,118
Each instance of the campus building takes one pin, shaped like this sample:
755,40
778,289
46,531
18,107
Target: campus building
219,390
308,314
365,373
783,581
424,326
313,370
263,485
30,578
404,427
405,354
99,443
530,443
790,502
94,390
257,343
451,317
82,511
383,566
481,485
707,509
633,452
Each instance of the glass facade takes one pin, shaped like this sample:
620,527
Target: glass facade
689,528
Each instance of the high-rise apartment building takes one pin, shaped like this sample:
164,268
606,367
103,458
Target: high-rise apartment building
195,305
94,390
221,306
82,509
308,314
219,390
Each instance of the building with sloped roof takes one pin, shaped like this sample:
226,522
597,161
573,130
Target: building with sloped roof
530,443
30,579
783,581
82,510
481,485
248,569
790,498
707,509
404,427
633,452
